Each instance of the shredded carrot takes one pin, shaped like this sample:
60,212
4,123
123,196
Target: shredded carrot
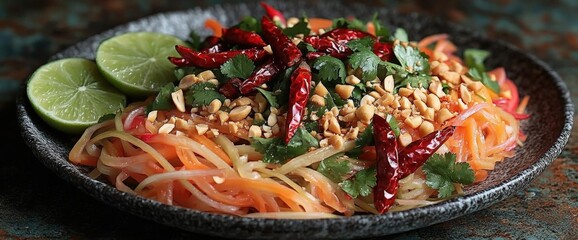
319,23
202,139
522,107
215,26
370,28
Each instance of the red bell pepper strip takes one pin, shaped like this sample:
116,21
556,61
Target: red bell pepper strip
237,36
264,74
283,48
273,13
212,60
387,165
418,152
298,97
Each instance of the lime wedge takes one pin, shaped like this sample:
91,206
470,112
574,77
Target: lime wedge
137,62
71,94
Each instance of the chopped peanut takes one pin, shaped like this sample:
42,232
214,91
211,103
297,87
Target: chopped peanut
214,106
239,113
388,84
344,91
365,112
318,100
352,80
206,75
179,100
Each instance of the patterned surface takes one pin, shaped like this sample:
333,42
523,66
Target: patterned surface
36,204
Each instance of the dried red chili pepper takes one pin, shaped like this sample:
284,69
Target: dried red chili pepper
209,42
298,97
344,35
230,89
273,13
383,50
212,60
387,165
264,74
283,48
314,55
418,152
329,46
237,36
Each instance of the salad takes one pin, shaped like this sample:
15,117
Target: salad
285,117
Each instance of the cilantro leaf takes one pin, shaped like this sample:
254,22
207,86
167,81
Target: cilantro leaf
411,59
271,97
194,40
401,35
361,44
362,183
380,31
163,100
240,66
201,94
275,150
250,24
282,84
365,139
306,47
352,23
299,28
367,61
402,77
442,172
474,59
330,69
333,168
393,124
420,80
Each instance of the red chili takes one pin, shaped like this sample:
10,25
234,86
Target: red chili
264,74
314,55
344,35
230,89
209,44
329,46
283,48
237,36
383,50
298,96
273,13
212,60
387,165
418,152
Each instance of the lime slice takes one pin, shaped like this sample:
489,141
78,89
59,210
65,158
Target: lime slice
137,62
71,94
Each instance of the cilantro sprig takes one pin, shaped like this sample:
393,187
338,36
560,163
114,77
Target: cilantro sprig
474,59
442,171
275,150
361,184
201,94
330,69
240,66
334,168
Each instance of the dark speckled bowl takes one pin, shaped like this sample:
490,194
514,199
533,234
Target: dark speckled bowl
548,132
